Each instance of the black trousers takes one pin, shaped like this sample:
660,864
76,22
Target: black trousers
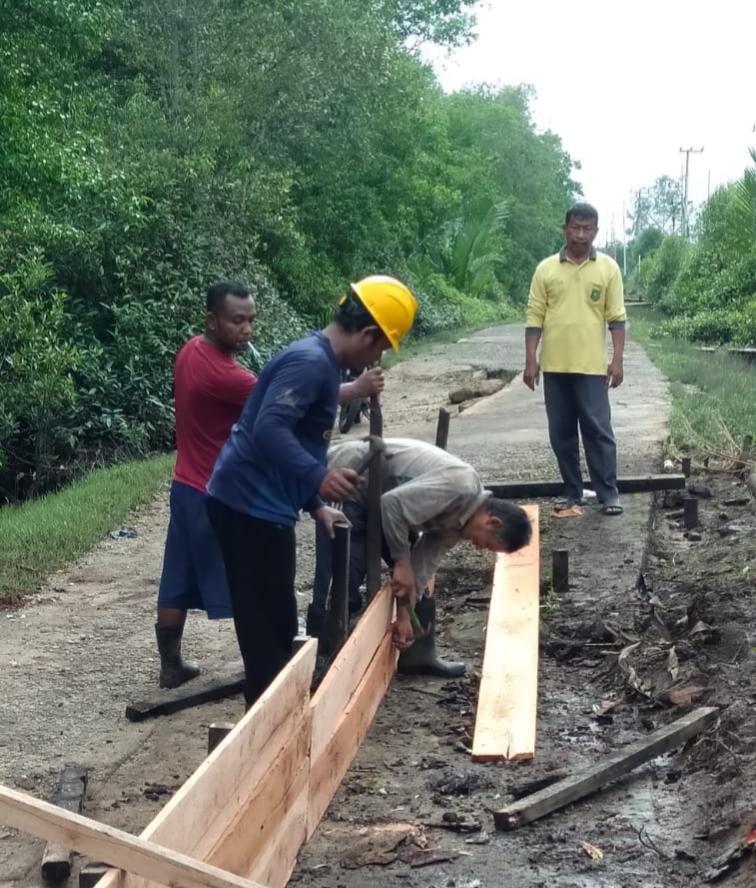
260,561
357,562
572,400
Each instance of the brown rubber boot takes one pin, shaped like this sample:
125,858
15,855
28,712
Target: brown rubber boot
173,670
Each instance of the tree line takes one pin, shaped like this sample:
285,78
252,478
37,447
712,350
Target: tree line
147,149
705,284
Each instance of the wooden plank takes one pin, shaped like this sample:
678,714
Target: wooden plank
186,698
129,853
341,681
536,489
259,819
570,790
328,768
442,429
276,863
505,723
72,785
196,818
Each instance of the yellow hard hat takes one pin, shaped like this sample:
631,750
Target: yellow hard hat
390,303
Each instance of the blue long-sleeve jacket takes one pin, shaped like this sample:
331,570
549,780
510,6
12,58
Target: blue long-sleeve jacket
276,455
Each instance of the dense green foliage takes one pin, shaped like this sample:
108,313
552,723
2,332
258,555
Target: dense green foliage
149,148
706,287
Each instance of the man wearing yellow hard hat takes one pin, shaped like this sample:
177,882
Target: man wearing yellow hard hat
274,465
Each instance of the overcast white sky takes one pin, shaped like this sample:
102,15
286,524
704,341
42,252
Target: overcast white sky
626,85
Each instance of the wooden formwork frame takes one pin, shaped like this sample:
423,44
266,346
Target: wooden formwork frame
240,820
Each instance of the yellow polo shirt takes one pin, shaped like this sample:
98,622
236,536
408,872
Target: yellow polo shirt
571,305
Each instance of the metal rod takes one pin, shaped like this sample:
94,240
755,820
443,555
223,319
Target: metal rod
560,571
442,429
337,620
374,542
690,513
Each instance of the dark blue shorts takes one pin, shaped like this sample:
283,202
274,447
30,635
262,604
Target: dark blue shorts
193,574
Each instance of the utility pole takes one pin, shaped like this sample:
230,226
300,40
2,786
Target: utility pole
624,242
687,152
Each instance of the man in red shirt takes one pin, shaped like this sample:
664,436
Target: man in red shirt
210,389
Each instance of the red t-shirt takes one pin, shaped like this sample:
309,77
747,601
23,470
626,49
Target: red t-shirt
209,390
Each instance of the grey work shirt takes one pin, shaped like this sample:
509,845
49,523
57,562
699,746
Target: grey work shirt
426,491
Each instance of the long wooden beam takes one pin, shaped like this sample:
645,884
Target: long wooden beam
537,489
505,724
161,865
571,789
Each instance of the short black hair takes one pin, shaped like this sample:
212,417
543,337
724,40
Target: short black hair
515,530
217,292
581,211
351,315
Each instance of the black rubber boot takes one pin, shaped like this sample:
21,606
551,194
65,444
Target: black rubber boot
173,670
421,658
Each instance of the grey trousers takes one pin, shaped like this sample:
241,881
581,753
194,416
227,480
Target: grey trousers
572,400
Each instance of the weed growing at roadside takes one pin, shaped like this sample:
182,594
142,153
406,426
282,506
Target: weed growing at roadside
46,534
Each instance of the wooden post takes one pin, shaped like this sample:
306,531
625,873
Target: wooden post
337,620
374,543
72,785
686,465
560,570
745,453
217,732
442,429
690,512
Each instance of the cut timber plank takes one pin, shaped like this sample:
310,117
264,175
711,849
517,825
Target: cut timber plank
186,698
202,812
535,489
328,769
346,672
505,723
128,852
574,788
72,785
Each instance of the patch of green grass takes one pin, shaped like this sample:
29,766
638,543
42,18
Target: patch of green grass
713,403
47,534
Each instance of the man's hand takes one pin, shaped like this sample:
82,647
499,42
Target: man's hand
532,374
329,518
338,484
369,383
402,635
403,582
615,374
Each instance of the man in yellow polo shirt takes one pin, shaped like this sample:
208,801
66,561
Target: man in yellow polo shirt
574,295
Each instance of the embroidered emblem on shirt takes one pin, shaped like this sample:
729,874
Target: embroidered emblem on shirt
595,295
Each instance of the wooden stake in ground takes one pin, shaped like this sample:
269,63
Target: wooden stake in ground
570,790
506,719
56,861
